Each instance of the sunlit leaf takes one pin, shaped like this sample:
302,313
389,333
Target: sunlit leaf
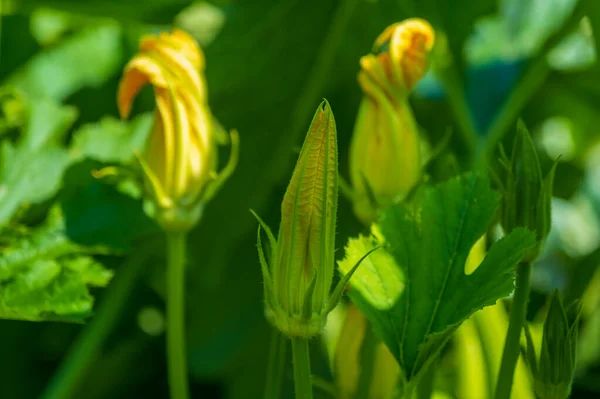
45,276
430,240
378,279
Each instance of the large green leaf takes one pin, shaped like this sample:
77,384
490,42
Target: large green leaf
45,276
31,169
430,240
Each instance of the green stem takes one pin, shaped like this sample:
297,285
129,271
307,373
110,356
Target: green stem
302,378
86,349
176,359
276,365
425,385
512,345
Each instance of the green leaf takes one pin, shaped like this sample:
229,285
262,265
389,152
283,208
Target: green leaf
111,140
378,279
45,276
89,58
32,168
430,241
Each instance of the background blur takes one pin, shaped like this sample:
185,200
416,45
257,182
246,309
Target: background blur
268,65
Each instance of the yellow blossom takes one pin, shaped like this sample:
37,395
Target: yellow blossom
180,157
384,153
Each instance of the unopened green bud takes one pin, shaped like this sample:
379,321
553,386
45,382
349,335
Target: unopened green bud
299,271
528,194
385,161
558,354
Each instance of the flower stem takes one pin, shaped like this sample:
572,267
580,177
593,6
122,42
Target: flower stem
176,359
276,365
512,346
302,378
87,348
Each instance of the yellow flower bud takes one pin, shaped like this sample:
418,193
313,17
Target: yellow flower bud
180,157
384,151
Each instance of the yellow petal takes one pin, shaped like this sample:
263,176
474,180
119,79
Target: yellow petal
140,71
408,44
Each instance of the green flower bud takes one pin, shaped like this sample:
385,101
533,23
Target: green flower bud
554,374
385,161
299,271
527,194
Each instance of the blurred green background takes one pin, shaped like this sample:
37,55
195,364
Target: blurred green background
269,63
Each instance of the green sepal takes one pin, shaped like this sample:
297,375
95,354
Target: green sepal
558,354
308,297
335,297
265,227
268,281
371,197
215,185
527,194
544,222
530,352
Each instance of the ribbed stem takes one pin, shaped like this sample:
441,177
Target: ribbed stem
302,378
512,345
276,365
176,355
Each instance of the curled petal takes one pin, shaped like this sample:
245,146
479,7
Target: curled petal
405,47
180,156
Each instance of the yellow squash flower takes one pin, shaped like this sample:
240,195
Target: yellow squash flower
180,157
384,152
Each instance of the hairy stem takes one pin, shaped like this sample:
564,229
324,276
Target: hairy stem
302,378
276,365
